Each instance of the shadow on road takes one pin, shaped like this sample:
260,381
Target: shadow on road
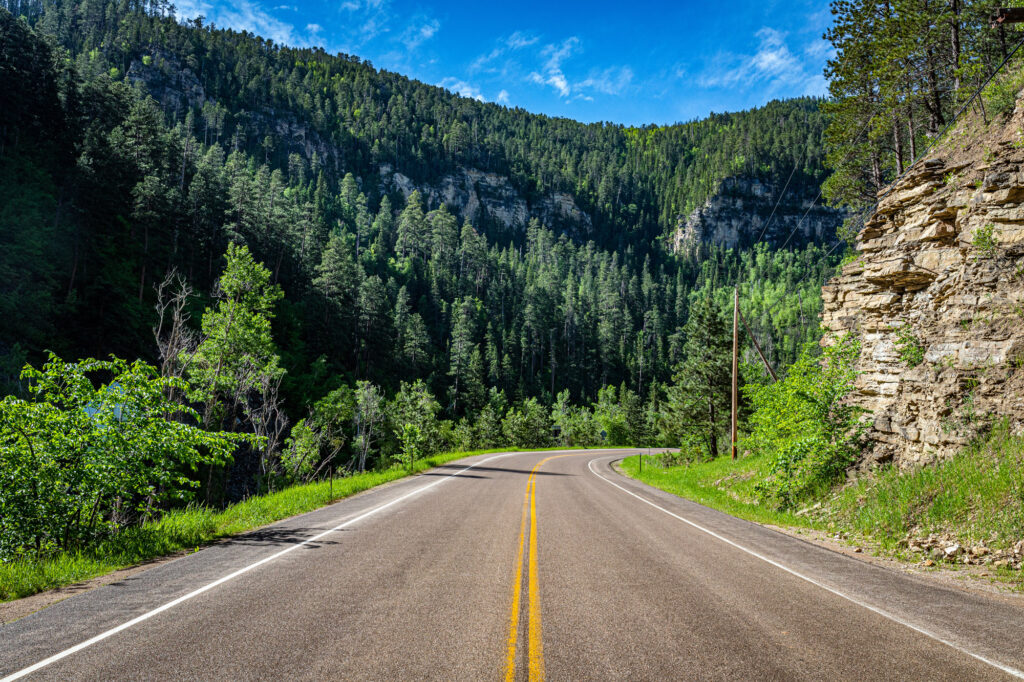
286,536
497,469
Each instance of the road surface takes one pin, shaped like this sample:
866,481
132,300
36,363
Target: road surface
518,566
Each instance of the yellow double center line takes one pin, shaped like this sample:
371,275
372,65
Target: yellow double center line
535,643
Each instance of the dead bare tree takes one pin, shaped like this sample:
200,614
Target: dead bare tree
176,342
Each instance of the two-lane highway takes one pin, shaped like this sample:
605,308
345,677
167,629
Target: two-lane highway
516,566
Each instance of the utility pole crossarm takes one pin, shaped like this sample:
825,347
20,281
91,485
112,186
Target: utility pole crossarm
1008,15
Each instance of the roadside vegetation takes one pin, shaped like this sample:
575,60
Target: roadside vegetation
189,528
966,510
801,437
719,483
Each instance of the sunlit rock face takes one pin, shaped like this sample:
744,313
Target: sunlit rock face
942,260
737,214
479,197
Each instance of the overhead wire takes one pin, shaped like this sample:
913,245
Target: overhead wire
891,186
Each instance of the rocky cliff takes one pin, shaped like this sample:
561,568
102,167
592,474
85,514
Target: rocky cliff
478,196
937,297
738,211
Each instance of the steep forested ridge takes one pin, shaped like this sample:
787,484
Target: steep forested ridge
137,148
249,94
901,71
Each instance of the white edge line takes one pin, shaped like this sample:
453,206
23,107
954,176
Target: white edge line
220,581
885,614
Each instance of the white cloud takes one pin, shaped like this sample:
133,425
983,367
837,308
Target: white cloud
314,28
190,9
513,43
503,97
519,40
552,73
241,15
611,81
463,88
419,32
773,65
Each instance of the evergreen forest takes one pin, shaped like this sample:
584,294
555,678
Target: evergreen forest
203,212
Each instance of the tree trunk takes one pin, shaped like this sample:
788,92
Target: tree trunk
897,144
954,44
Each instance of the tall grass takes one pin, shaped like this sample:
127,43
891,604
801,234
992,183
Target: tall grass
190,528
721,484
976,496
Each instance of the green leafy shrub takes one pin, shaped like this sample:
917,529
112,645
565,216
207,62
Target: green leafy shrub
909,346
78,462
985,241
805,425
1001,96
575,424
527,426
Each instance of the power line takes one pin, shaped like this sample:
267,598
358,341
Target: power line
781,195
893,184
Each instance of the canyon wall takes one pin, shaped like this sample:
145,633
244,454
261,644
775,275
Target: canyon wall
936,295
737,213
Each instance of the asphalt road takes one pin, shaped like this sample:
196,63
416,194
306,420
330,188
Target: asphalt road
523,566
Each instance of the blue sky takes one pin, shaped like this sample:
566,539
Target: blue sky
627,62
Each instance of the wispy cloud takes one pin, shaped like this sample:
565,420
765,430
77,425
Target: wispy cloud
519,40
463,88
551,73
419,32
488,62
503,97
774,65
611,81
242,15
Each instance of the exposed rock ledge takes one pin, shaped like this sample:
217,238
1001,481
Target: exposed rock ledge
737,213
922,266
474,194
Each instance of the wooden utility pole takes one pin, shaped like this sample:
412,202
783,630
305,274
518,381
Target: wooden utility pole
735,364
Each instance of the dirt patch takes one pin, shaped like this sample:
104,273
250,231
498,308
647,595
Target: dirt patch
969,578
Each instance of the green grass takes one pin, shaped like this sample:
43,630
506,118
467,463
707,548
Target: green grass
977,497
190,528
721,484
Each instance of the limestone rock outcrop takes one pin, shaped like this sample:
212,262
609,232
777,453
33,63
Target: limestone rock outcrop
936,295
476,195
737,213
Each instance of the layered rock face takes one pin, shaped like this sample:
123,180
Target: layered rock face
937,298
473,194
738,212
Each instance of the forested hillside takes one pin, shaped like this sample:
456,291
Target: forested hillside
901,71
214,205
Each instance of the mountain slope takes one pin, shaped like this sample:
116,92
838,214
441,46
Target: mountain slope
273,101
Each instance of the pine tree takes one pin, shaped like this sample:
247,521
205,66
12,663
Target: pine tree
697,404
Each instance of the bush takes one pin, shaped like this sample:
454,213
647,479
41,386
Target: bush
527,426
611,417
909,346
985,241
805,425
79,462
1001,95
